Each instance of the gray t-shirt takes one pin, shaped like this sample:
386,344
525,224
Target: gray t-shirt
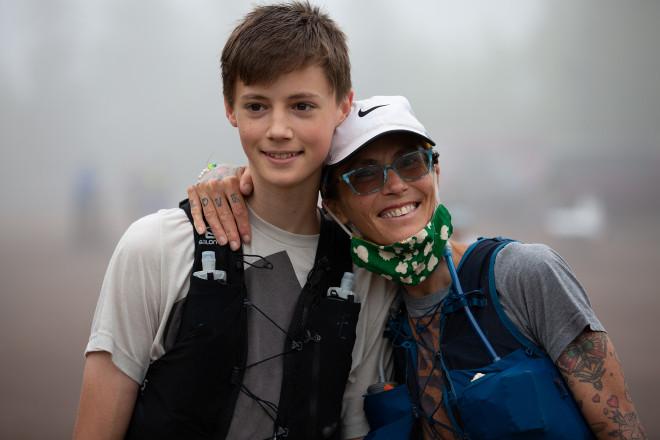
274,294
539,294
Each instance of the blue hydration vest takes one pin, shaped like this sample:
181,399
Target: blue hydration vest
191,391
520,396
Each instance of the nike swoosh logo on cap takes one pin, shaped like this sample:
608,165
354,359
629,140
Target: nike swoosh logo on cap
365,113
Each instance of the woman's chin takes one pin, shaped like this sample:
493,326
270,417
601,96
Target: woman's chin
399,229
396,235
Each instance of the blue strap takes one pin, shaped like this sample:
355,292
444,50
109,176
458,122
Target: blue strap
455,303
411,347
500,311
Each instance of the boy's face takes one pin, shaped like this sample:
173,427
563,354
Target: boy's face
286,127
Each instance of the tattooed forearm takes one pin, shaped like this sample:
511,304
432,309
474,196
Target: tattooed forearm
593,373
628,425
584,358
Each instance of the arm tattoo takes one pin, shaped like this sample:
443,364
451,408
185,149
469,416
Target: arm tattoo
234,199
218,201
629,426
584,358
205,201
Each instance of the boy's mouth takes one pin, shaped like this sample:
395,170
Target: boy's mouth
281,155
398,212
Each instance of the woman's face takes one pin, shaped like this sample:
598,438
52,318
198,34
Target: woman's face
400,208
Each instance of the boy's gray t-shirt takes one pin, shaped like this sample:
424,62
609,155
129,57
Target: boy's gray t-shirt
274,294
539,294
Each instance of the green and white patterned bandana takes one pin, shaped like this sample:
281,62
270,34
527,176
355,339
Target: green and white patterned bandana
410,261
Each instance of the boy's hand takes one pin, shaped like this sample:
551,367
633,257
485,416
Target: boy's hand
218,198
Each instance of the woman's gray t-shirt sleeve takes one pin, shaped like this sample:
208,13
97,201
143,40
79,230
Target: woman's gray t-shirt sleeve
541,295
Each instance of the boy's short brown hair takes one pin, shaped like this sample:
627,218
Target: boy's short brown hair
276,39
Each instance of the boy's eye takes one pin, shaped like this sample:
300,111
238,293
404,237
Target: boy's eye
302,106
255,107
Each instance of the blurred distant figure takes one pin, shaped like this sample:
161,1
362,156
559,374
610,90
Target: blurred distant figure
147,188
586,219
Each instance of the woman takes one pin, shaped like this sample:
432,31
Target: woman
381,182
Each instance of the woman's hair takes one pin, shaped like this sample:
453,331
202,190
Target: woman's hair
329,182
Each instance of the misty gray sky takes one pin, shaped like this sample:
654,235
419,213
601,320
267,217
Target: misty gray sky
126,95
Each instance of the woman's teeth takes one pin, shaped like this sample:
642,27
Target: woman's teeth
400,211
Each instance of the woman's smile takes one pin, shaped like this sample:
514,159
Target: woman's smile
398,212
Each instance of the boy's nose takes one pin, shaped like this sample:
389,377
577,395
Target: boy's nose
280,127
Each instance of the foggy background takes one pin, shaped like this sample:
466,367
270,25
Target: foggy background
546,115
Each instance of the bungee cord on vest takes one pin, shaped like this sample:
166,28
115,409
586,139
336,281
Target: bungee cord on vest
270,408
433,428
265,265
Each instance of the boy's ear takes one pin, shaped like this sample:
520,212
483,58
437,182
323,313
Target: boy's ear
345,107
229,111
334,206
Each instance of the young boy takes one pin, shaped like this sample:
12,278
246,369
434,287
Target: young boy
250,356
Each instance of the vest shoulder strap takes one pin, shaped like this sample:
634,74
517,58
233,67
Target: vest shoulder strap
226,259
331,261
231,263
504,319
477,276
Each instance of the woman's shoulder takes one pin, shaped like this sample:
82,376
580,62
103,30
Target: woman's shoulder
527,254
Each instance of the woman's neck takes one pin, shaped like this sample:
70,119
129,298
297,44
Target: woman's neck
439,278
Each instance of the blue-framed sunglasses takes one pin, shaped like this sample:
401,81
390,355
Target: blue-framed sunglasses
371,178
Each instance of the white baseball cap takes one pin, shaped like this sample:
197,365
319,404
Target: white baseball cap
370,119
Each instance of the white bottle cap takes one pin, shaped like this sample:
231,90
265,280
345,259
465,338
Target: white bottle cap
347,280
208,261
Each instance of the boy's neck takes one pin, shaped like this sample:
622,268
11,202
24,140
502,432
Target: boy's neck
291,209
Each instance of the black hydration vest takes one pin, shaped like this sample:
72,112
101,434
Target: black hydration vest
522,395
191,391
